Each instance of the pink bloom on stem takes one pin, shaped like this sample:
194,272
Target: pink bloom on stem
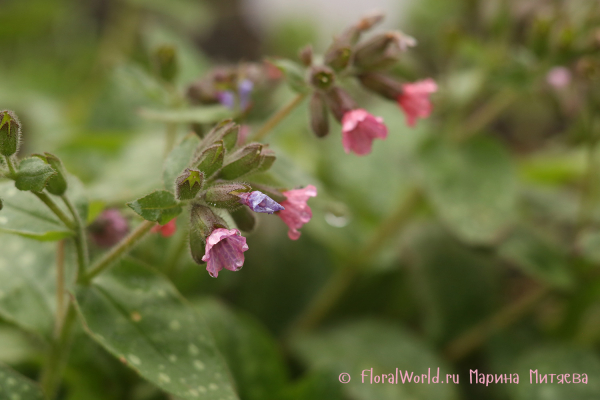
559,77
359,129
297,212
109,228
224,249
414,100
165,230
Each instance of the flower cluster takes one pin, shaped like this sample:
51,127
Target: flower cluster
365,61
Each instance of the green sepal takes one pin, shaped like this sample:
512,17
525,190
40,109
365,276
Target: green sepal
210,160
242,162
225,195
33,174
188,184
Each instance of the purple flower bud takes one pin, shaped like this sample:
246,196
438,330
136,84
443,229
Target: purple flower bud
260,202
245,89
109,228
226,98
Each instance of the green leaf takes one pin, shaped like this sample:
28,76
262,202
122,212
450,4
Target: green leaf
27,216
472,187
179,159
252,354
27,283
14,386
33,174
557,361
139,317
159,206
294,74
365,344
538,257
198,115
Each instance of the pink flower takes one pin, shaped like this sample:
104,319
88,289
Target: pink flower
414,100
109,228
224,249
359,129
559,77
297,212
165,230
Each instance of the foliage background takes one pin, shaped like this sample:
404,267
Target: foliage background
469,242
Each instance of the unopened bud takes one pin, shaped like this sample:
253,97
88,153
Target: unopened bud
57,184
273,193
370,20
338,55
165,58
382,50
339,102
202,222
381,84
225,195
202,92
210,160
244,218
242,162
322,77
267,160
306,55
188,184
10,133
319,117
227,131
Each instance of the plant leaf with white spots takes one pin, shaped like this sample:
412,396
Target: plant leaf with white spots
138,316
27,283
14,386
23,214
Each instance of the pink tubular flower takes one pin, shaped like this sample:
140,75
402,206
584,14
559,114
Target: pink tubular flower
297,212
414,100
109,228
165,230
359,129
224,249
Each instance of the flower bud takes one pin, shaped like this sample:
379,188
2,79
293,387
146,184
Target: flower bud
339,102
242,162
202,92
188,184
109,228
322,77
381,84
165,59
202,222
306,55
267,160
244,218
227,131
225,195
57,184
369,20
382,50
10,133
210,160
339,53
319,117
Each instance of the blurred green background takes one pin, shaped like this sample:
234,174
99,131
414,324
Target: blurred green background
470,242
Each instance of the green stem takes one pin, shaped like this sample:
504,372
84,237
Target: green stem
278,117
11,166
60,287
58,355
55,209
478,334
341,280
588,188
119,250
80,238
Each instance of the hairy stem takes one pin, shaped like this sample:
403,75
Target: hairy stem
278,117
55,209
80,238
11,166
60,287
119,250
341,280
58,354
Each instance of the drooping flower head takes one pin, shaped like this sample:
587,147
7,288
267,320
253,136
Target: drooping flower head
359,129
297,212
260,202
414,100
165,230
109,228
224,249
